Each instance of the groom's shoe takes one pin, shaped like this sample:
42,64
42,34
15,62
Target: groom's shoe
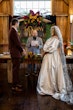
17,89
27,74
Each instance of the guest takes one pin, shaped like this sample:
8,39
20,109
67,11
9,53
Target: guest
16,51
34,45
53,78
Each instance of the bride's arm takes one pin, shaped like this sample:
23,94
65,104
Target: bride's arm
51,45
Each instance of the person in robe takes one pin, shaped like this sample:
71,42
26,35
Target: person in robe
16,52
34,45
53,77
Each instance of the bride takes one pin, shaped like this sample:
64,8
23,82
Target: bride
53,77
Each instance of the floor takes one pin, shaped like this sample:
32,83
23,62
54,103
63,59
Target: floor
28,99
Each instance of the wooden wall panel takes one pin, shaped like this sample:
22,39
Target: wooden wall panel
5,30
1,30
62,22
70,6
6,7
60,8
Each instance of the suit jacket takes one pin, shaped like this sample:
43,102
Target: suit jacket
14,44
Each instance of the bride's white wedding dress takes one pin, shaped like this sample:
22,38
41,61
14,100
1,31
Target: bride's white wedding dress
53,79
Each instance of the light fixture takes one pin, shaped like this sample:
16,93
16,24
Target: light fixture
71,18
69,51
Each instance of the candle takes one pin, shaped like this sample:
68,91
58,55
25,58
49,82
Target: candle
69,52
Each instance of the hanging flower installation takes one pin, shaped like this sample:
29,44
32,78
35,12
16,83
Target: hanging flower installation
34,19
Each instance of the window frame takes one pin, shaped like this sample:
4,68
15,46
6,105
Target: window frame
25,10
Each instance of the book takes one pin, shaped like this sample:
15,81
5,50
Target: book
34,43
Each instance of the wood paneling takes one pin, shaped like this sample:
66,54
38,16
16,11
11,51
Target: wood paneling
60,8
62,22
4,28
70,6
6,9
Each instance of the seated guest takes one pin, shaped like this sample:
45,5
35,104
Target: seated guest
34,45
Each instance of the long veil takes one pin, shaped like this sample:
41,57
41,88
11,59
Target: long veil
63,59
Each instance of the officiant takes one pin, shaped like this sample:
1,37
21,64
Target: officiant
34,45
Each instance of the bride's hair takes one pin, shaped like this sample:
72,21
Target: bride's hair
58,33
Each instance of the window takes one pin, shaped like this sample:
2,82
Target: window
22,7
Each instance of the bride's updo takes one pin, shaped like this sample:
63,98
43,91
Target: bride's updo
56,31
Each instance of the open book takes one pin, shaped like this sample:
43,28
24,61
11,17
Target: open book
34,43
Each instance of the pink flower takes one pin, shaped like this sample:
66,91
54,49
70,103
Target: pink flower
31,12
25,17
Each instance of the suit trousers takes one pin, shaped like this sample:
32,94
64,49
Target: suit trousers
15,70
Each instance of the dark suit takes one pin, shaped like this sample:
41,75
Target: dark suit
15,51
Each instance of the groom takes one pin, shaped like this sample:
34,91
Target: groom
15,50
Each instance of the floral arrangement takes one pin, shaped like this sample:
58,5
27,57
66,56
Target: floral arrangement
34,19
32,56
